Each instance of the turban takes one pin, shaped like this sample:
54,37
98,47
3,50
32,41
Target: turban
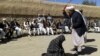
70,8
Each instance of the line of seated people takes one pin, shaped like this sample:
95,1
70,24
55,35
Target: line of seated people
96,27
44,25
7,29
40,26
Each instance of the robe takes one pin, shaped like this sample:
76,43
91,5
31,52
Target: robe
78,23
78,30
55,47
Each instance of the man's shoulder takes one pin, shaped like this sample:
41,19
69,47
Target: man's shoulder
76,14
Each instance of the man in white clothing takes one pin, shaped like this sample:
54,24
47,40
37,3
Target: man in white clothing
78,28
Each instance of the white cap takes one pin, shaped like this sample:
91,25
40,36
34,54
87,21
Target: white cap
4,19
77,10
70,8
33,19
38,14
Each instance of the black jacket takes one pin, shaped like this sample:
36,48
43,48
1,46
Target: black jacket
78,23
2,25
13,24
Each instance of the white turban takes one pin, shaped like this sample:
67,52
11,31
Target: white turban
4,19
70,8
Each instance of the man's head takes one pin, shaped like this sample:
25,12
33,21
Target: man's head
3,19
81,11
43,15
70,9
39,15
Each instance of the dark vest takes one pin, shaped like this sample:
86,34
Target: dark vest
78,23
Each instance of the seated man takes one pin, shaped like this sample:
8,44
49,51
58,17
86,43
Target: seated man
55,47
66,29
15,26
97,29
2,34
6,29
36,27
42,30
49,27
26,24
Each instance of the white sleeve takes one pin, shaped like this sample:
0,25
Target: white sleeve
24,24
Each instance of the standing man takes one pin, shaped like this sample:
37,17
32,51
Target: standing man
78,28
66,21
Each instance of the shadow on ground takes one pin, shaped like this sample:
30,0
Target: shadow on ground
66,54
88,50
69,54
5,41
90,40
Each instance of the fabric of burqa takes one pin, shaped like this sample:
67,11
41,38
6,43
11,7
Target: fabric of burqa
55,47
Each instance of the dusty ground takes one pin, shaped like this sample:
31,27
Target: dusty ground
36,45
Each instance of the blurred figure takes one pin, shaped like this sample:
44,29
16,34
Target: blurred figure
67,20
39,18
27,25
54,26
49,28
42,29
35,27
78,28
7,29
86,24
59,26
15,26
96,27
55,47
2,33
40,23
49,18
65,26
43,18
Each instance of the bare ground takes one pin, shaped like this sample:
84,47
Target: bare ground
36,45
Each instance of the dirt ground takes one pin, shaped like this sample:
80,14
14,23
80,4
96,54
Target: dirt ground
36,45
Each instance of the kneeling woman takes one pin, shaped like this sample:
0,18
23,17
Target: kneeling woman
55,47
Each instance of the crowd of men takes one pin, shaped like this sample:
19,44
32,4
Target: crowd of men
42,25
8,28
